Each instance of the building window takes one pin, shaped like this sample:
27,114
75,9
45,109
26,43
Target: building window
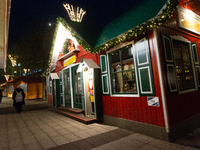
130,70
180,62
122,71
184,69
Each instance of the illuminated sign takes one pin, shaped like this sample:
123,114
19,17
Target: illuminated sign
189,20
69,61
75,13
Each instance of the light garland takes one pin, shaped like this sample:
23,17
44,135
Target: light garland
141,29
134,32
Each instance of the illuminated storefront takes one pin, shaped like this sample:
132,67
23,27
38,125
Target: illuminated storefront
74,84
148,71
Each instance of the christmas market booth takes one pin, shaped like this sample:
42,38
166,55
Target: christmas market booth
3,88
140,72
32,87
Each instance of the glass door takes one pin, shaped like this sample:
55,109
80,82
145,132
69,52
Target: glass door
67,92
61,88
77,81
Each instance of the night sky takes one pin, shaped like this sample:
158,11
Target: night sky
29,15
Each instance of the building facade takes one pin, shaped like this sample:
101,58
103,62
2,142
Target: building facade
4,28
149,70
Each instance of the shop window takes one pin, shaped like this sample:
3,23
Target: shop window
123,71
130,70
180,70
183,64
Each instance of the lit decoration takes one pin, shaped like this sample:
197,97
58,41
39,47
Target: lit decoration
62,33
25,70
13,61
7,77
62,36
75,13
127,36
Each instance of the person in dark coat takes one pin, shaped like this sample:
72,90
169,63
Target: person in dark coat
0,95
18,105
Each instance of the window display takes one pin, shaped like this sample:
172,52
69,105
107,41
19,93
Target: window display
123,72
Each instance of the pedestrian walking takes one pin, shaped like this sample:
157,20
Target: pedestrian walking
0,95
18,99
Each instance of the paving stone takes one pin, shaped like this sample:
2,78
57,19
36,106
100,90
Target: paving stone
142,138
14,136
165,145
63,131
95,141
132,142
15,143
21,147
41,136
82,134
29,139
46,144
60,140
33,146
83,145
72,137
148,147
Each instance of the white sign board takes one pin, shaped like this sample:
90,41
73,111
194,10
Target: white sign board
153,101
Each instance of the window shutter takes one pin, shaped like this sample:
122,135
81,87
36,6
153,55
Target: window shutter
144,69
170,66
195,53
104,74
196,61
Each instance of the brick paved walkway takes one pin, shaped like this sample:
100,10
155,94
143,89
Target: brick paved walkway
44,129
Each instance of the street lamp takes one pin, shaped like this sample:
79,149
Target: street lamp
50,24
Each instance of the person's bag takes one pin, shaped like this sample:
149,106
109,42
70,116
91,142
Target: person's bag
19,96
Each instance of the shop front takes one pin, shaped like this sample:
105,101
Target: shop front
74,80
142,73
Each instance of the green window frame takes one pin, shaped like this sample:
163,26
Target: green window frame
122,71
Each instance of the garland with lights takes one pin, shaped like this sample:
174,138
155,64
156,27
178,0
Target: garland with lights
140,29
129,35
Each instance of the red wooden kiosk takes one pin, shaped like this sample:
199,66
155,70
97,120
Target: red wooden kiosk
150,75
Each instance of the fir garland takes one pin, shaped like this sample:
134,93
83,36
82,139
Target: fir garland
140,29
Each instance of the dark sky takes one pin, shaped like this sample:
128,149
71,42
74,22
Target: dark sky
29,15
